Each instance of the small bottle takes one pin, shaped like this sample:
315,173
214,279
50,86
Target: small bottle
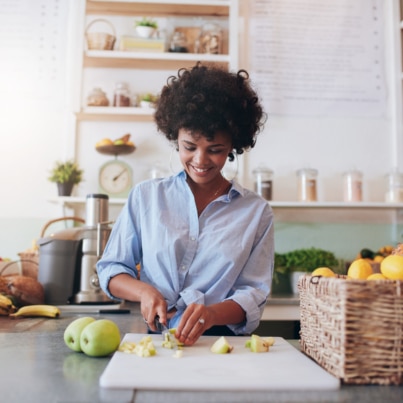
352,186
121,95
263,184
394,192
307,191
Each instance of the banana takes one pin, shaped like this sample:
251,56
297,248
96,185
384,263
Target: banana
5,302
49,311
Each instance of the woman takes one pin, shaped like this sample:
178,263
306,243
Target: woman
205,244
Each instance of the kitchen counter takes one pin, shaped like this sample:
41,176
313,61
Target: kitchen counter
38,367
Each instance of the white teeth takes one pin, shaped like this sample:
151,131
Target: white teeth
200,170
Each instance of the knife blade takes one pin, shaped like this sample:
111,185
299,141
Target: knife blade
168,339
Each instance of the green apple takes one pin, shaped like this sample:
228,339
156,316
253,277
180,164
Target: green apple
73,332
100,338
258,344
119,142
221,346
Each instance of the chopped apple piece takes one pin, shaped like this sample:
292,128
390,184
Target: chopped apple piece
221,346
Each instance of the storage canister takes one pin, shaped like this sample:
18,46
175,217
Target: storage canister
263,183
121,96
352,186
394,193
307,189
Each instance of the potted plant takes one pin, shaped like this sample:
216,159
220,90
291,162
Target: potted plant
66,175
290,266
147,100
146,27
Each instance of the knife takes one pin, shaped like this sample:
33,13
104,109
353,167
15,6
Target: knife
161,327
167,337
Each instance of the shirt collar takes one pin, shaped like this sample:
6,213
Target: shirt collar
236,188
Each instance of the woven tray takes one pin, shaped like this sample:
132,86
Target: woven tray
353,328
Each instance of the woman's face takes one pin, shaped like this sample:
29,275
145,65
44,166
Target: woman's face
201,158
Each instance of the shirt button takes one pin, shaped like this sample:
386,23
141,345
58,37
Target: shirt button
183,267
192,238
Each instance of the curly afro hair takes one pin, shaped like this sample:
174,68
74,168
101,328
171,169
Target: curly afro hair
207,100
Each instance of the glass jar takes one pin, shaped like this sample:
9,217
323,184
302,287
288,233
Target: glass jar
307,189
178,43
263,183
121,95
210,40
352,186
97,98
394,193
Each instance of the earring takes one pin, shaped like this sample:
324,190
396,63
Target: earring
230,169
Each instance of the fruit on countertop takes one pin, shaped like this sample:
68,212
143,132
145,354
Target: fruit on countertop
359,269
100,338
392,267
258,344
7,305
47,311
73,332
221,346
144,348
324,272
376,276
26,290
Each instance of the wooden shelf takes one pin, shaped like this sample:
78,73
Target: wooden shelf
146,60
109,113
275,204
161,8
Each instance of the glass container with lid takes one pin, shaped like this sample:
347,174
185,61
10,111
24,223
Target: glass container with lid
307,184
97,98
394,193
121,95
263,183
352,186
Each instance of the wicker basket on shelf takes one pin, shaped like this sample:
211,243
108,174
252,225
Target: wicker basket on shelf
353,328
30,259
100,40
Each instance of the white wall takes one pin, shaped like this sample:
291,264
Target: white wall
34,134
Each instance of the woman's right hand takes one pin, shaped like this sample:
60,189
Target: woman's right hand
152,303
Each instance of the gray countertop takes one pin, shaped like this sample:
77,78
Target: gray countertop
38,367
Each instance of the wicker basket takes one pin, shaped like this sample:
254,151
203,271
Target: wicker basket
100,40
30,260
353,328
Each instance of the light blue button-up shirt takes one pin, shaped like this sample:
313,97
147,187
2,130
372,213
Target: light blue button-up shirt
226,253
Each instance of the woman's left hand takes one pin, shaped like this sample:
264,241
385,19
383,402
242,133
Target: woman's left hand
196,319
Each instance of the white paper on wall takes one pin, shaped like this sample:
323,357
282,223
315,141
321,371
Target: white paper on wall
32,47
318,58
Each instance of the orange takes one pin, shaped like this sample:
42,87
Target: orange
324,272
360,269
392,267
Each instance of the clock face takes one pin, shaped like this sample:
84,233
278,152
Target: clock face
115,178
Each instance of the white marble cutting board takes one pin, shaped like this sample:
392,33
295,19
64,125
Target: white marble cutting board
282,368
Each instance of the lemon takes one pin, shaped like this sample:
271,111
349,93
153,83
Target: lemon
378,258
360,269
324,272
392,267
376,276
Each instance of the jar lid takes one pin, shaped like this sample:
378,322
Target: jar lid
260,169
307,171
